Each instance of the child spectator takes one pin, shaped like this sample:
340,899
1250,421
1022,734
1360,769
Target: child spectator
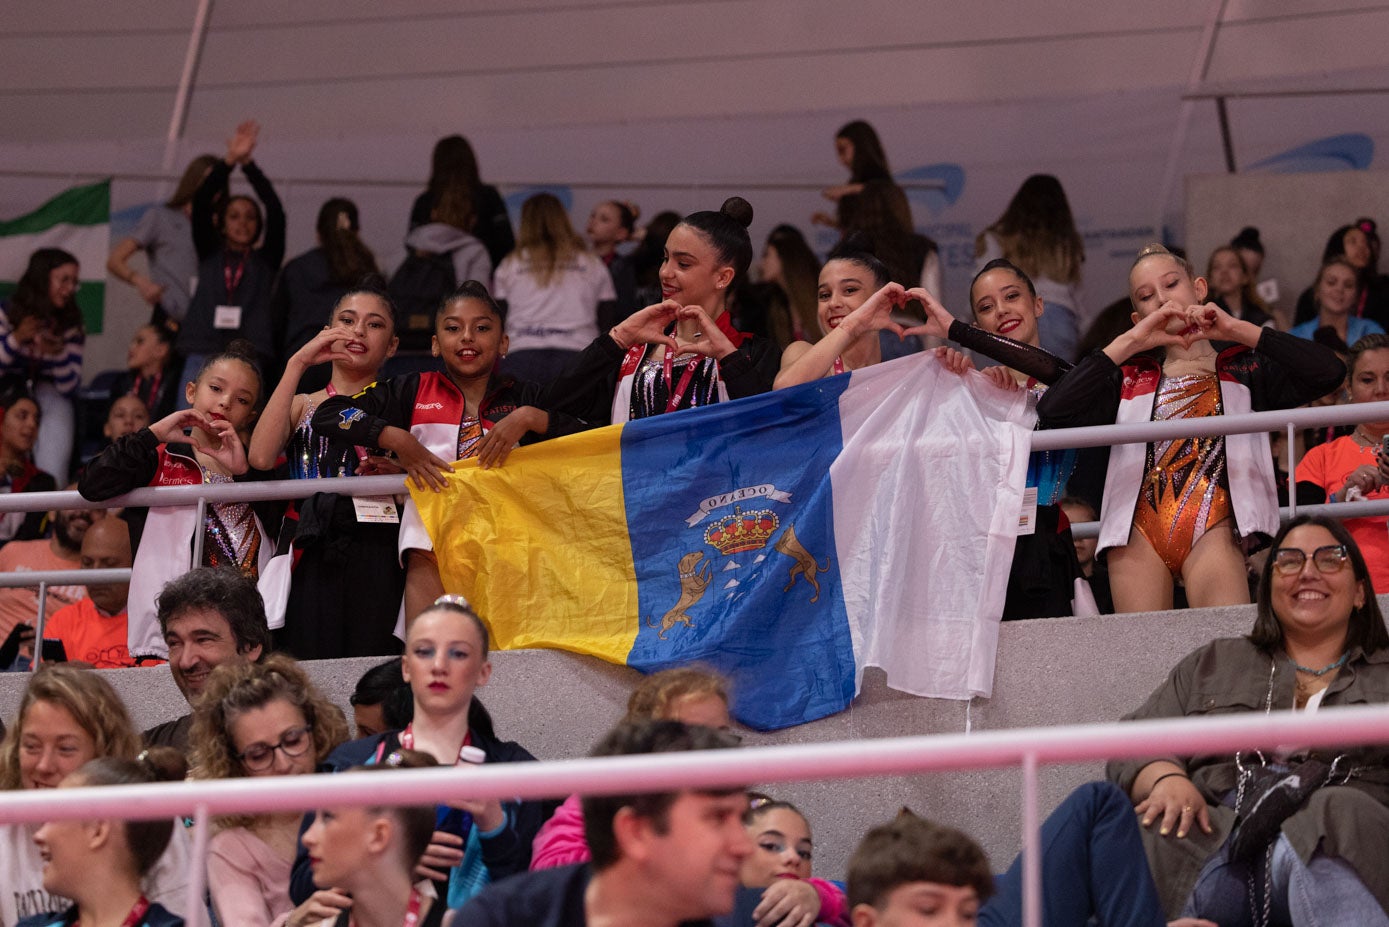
613,223
429,419
335,536
224,399
235,278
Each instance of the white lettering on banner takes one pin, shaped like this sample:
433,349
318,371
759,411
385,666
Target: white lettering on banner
766,490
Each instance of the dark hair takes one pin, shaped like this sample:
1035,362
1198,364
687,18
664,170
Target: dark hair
650,252
223,206
374,285
222,590
857,249
1248,240
242,351
453,160
30,296
881,215
192,178
1366,629
416,821
472,289
455,206
1375,341
800,272
14,389
1076,502
349,260
727,231
870,160
1336,244
147,839
479,718
385,685
641,738
759,803
1038,232
165,332
1004,264
627,214
912,849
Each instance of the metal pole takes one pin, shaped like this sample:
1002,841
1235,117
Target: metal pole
199,533
195,909
1031,846
179,118
1292,474
39,620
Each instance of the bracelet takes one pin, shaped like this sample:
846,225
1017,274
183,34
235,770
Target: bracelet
1166,776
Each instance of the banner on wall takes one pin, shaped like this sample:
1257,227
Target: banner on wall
78,221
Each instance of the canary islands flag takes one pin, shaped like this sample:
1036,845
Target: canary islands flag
787,540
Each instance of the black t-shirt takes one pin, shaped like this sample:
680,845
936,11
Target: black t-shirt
547,898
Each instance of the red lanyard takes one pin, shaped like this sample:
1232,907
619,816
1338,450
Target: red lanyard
838,366
407,740
677,393
152,392
137,913
233,280
361,451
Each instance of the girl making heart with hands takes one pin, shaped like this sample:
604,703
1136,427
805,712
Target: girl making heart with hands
1180,509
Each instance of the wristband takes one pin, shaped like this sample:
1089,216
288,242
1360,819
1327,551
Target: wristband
1166,776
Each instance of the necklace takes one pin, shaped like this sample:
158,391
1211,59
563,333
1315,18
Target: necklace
1362,437
1324,670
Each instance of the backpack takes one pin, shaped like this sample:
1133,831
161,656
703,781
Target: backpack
417,287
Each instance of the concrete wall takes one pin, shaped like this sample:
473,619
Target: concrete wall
1059,671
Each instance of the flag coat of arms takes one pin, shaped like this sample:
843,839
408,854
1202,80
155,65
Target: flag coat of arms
78,221
787,540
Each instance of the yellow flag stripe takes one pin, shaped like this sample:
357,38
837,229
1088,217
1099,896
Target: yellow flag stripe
548,533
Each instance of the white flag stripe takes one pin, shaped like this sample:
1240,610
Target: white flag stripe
926,498
88,243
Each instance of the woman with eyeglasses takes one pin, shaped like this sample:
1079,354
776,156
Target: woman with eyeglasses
1295,833
262,719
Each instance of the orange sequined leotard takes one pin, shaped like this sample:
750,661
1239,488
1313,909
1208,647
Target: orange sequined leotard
1184,493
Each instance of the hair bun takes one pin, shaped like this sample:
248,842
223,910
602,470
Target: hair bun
163,764
737,209
1248,238
242,348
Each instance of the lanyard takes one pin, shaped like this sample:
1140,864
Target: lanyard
361,451
152,392
233,280
412,912
677,393
407,741
838,366
137,913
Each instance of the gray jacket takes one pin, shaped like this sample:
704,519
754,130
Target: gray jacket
469,255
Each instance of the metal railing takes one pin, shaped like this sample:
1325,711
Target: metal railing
1029,748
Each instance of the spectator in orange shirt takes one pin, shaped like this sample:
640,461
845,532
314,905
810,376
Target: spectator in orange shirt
94,629
61,550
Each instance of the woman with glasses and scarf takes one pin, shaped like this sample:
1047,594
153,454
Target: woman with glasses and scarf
1294,835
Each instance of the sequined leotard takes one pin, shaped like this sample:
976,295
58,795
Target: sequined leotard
1184,493
313,456
651,393
233,537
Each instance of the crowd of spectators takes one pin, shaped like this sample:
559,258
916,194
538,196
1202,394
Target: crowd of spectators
483,340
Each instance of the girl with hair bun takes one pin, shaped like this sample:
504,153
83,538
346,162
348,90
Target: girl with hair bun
470,843
314,282
682,352
69,717
1181,509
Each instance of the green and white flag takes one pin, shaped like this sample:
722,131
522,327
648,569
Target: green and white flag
77,220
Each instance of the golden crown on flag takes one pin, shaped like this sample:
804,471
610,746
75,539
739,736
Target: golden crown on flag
741,531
